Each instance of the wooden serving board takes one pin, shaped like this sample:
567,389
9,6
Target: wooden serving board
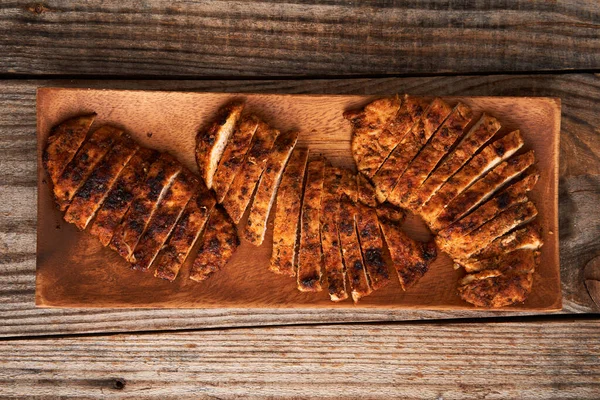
74,270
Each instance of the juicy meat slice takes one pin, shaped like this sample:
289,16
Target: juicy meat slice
256,225
483,130
93,192
121,195
349,185
287,214
219,242
369,147
512,195
390,212
330,241
233,156
526,238
439,145
371,244
488,158
483,189
83,163
353,261
160,176
210,143
184,235
516,261
63,142
464,247
391,171
366,191
168,211
310,257
241,189
411,258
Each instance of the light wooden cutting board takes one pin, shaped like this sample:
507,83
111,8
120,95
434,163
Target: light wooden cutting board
74,270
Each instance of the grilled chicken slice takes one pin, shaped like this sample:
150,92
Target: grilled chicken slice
369,144
491,155
63,142
353,261
483,130
371,244
256,225
287,214
219,242
160,176
184,235
390,212
234,155
310,257
411,258
512,195
96,188
515,261
464,247
483,189
330,242
241,189
439,145
83,163
391,171
366,191
163,220
118,200
211,143
349,185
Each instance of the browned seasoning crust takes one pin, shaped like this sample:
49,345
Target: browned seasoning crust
353,261
83,163
121,195
330,242
241,189
210,143
349,185
219,242
310,256
390,212
366,191
529,237
519,260
475,138
184,235
371,244
63,142
92,193
163,220
234,155
160,176
256,224
287,214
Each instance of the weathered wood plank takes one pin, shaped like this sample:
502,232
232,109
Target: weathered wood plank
525,360
580,194
275,38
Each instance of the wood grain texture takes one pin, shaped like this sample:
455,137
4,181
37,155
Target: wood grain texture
527,360
268,38
579,195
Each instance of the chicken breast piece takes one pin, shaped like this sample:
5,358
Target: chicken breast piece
256,225
96,188
160,176
211,143
349,185
521,261
218,244
63,142
483,189
287,214
163,220
310,256
437,147
118,200
369,140
184,235
83,163
330,242
390,212
366,191
353,261
371,244
483,130
233,156
491,155
242,188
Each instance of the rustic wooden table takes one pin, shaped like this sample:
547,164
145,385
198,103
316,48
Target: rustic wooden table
522,48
